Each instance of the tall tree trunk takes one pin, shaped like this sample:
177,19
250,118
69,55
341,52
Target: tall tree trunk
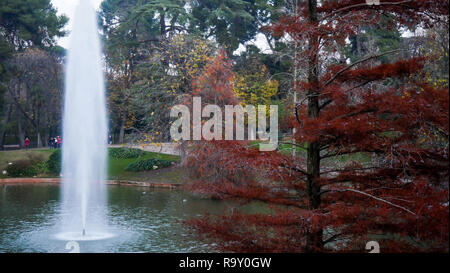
38,127
21,132
39,139
314,238
122,129
4,124
183,153
46,138
162,24
294,99
46,129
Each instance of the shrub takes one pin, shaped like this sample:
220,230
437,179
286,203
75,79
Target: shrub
125,153
213,164
54,162
41,167
21,168
29,167
148,164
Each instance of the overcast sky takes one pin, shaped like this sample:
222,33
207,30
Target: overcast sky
67,7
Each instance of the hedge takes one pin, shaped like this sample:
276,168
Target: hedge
148,164
54,162
125,153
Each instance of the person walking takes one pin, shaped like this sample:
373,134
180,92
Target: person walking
50,143
27,143
59,142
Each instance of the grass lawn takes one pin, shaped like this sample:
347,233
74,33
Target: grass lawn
10,156
359,157
116,169
116,166
286,148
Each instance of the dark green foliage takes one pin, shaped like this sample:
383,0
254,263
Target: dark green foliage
30,22
374,38
21,168
279,68
125,153
5,53
231,22
148,164
54,162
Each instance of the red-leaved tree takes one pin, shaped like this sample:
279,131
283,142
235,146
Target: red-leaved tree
206,158
376,161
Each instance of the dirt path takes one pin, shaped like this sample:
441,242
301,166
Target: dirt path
163,148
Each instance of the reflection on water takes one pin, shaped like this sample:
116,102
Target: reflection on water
142,220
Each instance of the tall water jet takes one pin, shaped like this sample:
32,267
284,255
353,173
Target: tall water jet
84,131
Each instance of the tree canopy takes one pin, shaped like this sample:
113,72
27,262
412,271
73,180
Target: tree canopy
24,24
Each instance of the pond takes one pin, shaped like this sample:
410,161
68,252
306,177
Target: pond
141,220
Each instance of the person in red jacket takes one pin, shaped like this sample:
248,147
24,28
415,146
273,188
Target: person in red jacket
27,143
59,142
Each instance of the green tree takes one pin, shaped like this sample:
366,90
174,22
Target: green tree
230,22
134,30
24,24
35,88
382,37
161,86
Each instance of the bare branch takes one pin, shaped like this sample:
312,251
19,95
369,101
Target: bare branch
340,72
348,8
374,197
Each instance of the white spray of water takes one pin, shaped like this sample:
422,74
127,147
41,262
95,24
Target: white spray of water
84,129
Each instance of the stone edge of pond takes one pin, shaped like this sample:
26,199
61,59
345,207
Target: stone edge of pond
24,181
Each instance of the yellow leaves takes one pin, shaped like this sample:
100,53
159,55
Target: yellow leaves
187,57
436,82
147,139
131,120
255,88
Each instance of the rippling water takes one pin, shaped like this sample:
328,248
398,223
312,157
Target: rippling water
141,220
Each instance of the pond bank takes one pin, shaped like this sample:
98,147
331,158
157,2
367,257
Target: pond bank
18,181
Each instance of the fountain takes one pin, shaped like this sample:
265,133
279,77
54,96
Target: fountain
33,219
84,133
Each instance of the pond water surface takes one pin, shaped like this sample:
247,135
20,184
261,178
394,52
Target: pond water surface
141,220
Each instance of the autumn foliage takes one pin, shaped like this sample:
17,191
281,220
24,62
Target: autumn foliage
213,86
375,165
